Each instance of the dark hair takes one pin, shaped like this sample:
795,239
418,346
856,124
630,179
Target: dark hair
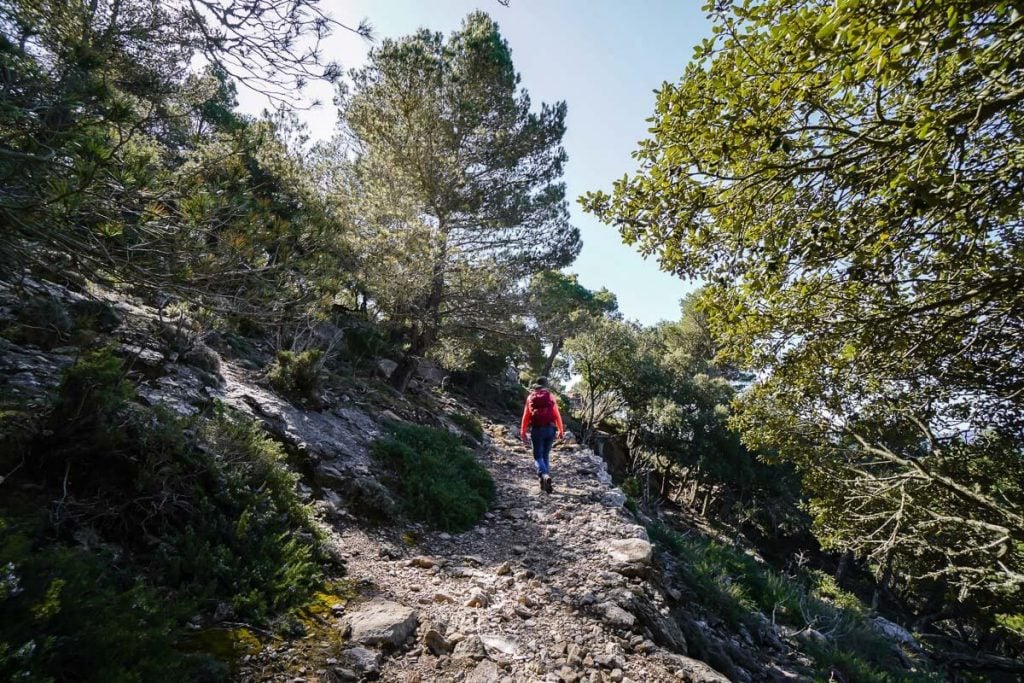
541,381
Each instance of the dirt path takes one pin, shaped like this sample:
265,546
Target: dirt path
529,594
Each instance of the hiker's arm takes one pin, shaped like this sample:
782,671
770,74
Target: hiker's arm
525,422
558,419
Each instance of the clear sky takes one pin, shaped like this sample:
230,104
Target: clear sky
605,58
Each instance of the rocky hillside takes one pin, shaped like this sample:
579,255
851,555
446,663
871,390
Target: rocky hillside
555,587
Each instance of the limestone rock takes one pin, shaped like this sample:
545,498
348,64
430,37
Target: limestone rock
470,648
615,616
485,672
695,671
434,641
382,622
630,550
499,645
478,598
363,661
613,499
386,367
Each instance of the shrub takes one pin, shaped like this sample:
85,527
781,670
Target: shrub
369,499
67,614
42,321
95,315
193,514
437,478
733,585
203,357
297,375
469,424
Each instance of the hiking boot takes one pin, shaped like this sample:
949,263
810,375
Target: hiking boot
545,483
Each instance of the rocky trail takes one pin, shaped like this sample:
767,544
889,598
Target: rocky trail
559,587
547,587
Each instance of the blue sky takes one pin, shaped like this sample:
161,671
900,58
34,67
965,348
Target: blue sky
605,58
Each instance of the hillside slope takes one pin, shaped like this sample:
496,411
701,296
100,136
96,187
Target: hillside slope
560,587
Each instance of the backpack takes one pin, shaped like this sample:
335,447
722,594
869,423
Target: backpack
542,408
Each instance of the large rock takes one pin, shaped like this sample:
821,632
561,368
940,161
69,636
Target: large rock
663,628
630,550
615,616
341,433
613,499
694,670
470,648
386,367
382,622
485,672
429,373
363,661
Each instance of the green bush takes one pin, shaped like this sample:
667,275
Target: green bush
297,375
436,478
734,586
42,321
469,424
181,517
68,614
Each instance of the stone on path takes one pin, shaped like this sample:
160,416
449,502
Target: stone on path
382,622
362,661
470,648
436,643
630,550
485,672
615,616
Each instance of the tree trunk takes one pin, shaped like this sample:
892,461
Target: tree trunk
843,567
556,347
427,334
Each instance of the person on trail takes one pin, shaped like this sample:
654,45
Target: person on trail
541,416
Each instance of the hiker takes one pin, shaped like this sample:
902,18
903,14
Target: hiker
541,415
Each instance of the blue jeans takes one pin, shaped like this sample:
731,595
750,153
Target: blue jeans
543,439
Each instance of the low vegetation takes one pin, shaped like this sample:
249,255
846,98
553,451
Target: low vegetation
297,375
126,520
436,477
732,585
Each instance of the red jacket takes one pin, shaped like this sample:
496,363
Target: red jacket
526,417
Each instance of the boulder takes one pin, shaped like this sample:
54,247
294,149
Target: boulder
613,499
630,550
385,367
470,648
894,632
485,672
694,670
663,628
429,373
382,622
435,641
615,616
362,661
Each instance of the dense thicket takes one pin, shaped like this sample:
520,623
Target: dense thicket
847,178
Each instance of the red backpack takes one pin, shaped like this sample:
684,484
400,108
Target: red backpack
542,408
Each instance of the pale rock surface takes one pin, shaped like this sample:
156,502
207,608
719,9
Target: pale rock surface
382,622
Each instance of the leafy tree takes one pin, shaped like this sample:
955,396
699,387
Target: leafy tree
101,105
846,176
562,307
603,357
441,124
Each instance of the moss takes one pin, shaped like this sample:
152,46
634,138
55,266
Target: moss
226,644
